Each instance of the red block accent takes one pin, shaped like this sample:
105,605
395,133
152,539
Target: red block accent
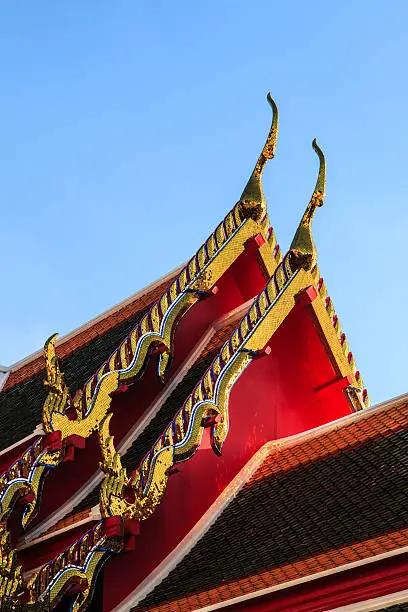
254,243
123,388
212,420
69,454
76,441
26,499
78,587
53,440
307,296
131,531
114,526
203,295
130,544
71,443
158,349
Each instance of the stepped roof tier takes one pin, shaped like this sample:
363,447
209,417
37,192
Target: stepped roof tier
206,444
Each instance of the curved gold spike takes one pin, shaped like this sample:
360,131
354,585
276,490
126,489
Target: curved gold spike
58,397
51,363
303,248
252,201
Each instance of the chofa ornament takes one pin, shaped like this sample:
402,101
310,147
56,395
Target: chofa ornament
125,498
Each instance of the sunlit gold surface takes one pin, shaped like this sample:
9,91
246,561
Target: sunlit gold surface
338,344
302,247
11,578
77,565
252,203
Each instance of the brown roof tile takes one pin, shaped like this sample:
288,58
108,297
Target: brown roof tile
321,503
299,569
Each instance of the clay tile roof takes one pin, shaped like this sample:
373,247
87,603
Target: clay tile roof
333,498
81,354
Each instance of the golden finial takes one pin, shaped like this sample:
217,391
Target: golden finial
252,202
302,248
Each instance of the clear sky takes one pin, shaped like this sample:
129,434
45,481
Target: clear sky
129,129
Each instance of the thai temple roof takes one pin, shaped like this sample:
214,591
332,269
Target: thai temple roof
206,444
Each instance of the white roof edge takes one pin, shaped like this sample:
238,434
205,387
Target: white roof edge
376,603
94,515
3,377
38,431
18,364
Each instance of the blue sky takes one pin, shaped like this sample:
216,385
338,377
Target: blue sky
128,129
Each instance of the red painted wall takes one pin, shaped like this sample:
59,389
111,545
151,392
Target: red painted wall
275,397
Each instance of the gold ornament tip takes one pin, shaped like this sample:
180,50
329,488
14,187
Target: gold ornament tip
321,178
302,248
274,109
252,203
50,341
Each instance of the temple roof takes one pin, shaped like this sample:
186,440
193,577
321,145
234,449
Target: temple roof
81,352
316,502
152,380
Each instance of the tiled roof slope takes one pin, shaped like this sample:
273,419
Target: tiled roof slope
167,411
332,499
81,355
398,608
